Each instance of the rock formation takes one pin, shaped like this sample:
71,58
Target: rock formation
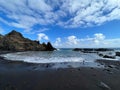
92,49
14,41
117,53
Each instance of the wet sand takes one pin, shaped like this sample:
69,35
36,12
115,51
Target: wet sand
24,76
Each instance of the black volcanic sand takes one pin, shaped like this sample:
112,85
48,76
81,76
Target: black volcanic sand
24,76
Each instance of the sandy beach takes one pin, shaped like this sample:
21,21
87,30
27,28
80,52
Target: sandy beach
25,76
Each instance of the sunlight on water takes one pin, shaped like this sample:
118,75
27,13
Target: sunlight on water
49,56
59,59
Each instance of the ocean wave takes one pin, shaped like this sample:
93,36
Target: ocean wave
38,58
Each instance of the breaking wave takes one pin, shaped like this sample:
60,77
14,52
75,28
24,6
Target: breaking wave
44,57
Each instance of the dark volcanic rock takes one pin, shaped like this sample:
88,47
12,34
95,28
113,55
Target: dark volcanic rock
92,49
50,47
117,53
104,86
85,50
14,41
107,56
1,36
104,49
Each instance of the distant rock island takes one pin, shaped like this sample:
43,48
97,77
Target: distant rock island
14,41
88,50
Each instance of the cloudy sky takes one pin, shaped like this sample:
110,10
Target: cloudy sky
66,23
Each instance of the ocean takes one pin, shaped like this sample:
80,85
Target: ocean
59,57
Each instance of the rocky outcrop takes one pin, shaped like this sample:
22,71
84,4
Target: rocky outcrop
108,56
88,50
14,41
1,36
49,46
117,53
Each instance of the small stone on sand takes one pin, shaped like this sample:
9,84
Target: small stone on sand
104,86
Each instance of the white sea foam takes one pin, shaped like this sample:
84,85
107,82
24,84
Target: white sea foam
53,57
42,57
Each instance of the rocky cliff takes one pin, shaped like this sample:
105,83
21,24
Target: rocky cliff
14,41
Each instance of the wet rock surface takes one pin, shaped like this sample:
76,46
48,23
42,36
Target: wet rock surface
117,53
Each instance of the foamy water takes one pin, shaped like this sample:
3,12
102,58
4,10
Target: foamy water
58,56
50,56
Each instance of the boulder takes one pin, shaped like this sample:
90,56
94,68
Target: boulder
107,56
117,53
104,86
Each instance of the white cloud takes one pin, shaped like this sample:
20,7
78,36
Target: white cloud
42,36
57,42
67,13
112,42
72,40
91,12
41,30
97,40
1,30
35,31
4,21
98,37
39,5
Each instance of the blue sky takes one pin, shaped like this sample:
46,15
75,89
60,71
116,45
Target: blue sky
65,23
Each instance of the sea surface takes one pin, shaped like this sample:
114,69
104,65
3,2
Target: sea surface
60,57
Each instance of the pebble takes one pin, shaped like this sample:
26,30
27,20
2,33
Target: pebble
110,72
98,65
104,86
111,66
91,68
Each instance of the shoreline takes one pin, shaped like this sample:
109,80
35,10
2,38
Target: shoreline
17,75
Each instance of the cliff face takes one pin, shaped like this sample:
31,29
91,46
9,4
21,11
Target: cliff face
14,41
